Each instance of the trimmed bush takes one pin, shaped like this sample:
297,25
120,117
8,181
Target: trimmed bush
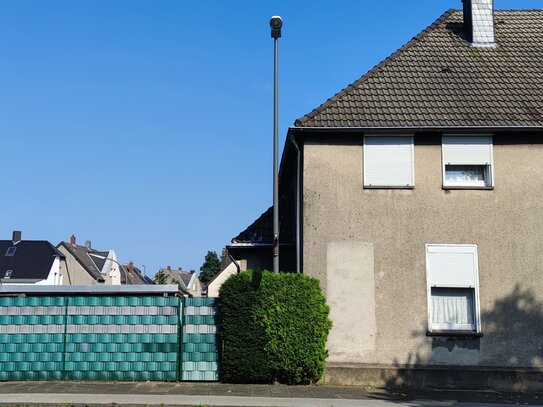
274,328
243,357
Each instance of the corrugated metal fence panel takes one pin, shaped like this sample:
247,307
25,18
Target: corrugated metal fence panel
200,353
89,338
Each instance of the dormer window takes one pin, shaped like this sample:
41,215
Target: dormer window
11,251
8,274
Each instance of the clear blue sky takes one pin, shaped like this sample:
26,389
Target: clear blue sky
146,126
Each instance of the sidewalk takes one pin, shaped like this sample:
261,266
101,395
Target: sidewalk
215,394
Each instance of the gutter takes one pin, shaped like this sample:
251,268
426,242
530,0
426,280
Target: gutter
298,181
234,261
411,129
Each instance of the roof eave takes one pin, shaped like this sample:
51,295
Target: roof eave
369,129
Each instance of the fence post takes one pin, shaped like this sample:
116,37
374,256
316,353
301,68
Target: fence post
180,324
65,337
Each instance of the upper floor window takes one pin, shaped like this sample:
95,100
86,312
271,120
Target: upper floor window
467,161
388,162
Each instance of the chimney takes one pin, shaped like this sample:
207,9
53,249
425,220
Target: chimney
131,267
479,22
192,272
17,234
88,244
72,240
169,268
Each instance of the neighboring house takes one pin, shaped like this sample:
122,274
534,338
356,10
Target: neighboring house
85,265
188,282
253,247
29,262
214,286
419,207
229,268
131,275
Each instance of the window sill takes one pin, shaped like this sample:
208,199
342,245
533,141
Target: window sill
388,187
446,187
455,334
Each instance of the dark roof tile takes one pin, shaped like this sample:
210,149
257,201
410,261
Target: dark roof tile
438,80
32,259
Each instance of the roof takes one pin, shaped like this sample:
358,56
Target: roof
134,277
32,259
179,276
439,80
260,232
93,265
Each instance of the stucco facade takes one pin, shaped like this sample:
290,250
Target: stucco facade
367,248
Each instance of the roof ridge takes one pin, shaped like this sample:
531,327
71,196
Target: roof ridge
376,68
528,10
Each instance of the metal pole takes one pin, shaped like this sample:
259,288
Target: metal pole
275,24
275,161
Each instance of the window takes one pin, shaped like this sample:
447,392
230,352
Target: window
11,251
453,288
467,161
388,162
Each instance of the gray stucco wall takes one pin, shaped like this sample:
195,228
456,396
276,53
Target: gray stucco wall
367,247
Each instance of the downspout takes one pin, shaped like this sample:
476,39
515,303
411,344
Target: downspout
234,261
298,176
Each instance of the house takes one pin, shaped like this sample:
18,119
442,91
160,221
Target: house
254,246
132,275
419,206
85,265
188,282
229,268
29,262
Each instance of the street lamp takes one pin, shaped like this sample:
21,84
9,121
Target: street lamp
276,23
114,261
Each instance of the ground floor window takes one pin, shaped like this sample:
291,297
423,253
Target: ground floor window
453,287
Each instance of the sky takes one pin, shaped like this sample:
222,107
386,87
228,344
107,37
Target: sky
147,126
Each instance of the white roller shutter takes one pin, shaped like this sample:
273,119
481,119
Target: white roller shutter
467,150
388,161
452,266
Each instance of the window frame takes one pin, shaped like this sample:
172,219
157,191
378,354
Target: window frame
489,170
454,328
364,161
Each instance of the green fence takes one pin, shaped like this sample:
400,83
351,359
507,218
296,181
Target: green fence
200,356
108,337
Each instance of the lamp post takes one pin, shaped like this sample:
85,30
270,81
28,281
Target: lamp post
114,261
276,23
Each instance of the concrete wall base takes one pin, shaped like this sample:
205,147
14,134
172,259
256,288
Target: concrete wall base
439,377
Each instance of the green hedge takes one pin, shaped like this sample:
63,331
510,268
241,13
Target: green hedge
274,328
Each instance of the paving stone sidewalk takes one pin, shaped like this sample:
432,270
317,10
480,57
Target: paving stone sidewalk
199,394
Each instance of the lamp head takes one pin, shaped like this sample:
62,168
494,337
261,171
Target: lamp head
276,22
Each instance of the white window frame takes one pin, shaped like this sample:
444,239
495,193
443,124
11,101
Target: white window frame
489,167
476,327
392,186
